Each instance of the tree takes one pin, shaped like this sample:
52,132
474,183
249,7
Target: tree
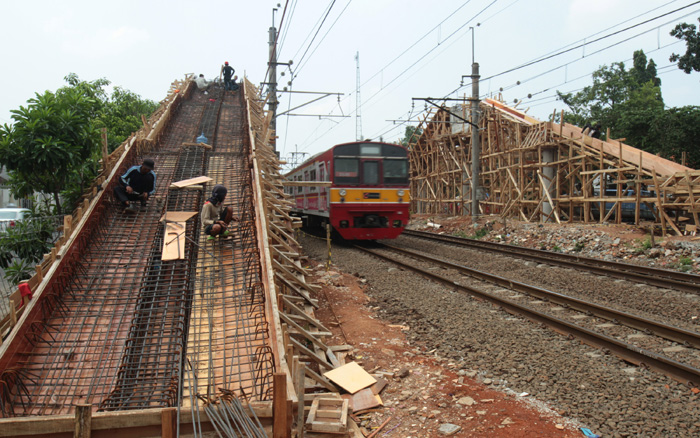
50,137
625,101
54,144
121,115
677,130
411,135
691,59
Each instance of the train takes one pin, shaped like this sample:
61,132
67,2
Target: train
360,188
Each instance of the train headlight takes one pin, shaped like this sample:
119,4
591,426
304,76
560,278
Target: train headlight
343,192
400,193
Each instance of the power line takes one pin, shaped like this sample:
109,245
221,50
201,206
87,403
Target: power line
328,11
323,38
284,30
419,59
527,64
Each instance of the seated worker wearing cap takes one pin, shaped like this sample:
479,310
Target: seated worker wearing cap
202,83
215,217
228,73
137,184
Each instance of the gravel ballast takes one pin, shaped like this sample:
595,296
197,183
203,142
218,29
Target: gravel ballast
597,389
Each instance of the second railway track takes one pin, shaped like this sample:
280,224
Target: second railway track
625,271
679,371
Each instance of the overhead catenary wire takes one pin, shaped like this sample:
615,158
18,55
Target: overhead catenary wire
407,50
416,62
301,66
578,46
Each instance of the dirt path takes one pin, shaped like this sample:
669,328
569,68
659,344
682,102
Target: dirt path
425,392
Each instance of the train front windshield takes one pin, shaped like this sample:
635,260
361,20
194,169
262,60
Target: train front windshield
370,164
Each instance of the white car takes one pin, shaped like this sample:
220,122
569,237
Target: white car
10,216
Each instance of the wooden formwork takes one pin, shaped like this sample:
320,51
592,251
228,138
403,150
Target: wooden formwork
544,171
305,355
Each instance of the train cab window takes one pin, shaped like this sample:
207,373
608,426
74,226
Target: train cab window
370,149
299,188
395,171
321,173
370,172
347,171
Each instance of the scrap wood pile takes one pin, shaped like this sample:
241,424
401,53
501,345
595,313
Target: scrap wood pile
544,171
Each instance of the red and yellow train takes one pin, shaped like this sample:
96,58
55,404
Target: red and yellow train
360,188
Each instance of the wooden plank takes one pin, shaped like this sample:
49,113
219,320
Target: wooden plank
178,216
190,181
83,421
280,426
351,377
169,423
319,379
313,356
365,399
174,241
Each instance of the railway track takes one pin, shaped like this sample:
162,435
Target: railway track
631,353
640,274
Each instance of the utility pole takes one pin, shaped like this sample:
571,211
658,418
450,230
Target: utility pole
272,85
358,102
476,144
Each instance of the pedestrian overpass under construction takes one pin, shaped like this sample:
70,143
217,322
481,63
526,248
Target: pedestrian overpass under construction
130,344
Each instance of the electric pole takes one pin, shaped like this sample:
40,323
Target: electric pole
476,144
272,85
358,102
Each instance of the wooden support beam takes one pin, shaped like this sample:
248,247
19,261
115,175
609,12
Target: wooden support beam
280,426
169,423
83,421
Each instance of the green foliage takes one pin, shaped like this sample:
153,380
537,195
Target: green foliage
411,135
579,246
630,104
121,115
685,261
461,234
675,131
28,240
691,59
49,138
556,248
481,232
620,99
646,243
54,144
17,271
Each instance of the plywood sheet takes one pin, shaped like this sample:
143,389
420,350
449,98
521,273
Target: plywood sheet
365,399
191,181
351,377
178,216
174,241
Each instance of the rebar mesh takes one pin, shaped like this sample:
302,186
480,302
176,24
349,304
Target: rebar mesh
118,324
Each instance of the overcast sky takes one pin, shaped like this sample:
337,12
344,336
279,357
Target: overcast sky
407,49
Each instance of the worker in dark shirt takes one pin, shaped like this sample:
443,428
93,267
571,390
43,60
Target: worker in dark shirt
137,184
228,74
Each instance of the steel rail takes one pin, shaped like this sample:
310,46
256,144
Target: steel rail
660,329
643,274
680,372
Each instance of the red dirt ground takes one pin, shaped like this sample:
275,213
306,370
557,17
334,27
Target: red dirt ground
428,396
